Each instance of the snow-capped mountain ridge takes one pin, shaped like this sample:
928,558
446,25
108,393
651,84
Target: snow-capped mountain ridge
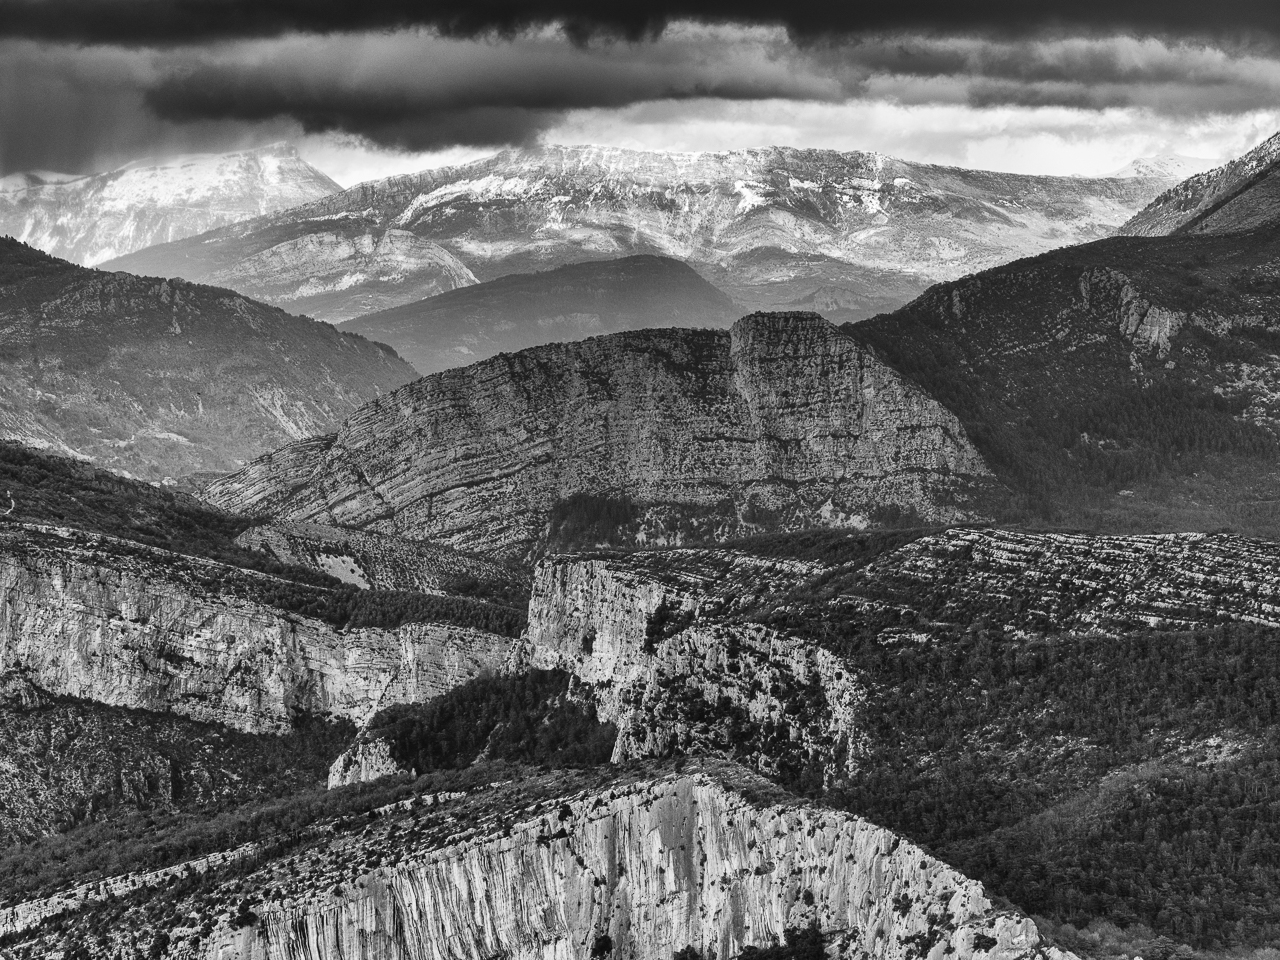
772,226
89,219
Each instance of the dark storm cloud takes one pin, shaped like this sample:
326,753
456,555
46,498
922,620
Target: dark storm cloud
420,91
159,22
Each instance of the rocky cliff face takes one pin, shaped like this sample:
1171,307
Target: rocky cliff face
1239,195
781,421
162,378
1135,364
91,219
687,650
128,626
776,228
643,866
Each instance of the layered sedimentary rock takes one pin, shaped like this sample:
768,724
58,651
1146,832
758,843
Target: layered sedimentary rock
635,868
782,421
130,626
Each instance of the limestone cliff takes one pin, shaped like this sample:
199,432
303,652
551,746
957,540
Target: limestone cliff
781,422
693,650
571,867
130,626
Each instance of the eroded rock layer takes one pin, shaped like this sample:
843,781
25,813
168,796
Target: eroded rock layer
782,421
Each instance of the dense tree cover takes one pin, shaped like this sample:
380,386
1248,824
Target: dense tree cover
288,793
1042,766
57,490
800,943
528,717
142,841
65,492
585,520
352,607
1059,400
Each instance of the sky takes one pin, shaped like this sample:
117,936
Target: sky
377,87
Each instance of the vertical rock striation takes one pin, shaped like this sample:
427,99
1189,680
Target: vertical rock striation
652,866
164,632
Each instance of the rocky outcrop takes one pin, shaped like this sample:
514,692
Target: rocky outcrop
775,227
94,218
782,421
678,648
636,868
1135,363
129,626
160,378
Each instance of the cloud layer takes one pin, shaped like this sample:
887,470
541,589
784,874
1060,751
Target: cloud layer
162,22
81,90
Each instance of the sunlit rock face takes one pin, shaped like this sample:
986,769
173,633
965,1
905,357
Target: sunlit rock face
780,422
634,865
776,228
94,218
164,632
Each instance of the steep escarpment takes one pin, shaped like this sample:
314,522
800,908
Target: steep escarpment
163,378
782,421
130,626
1078,699
637,867
91,219
1129,383
776,228
526,310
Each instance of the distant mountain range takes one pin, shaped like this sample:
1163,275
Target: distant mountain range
529,309
94,218
165,378
778,228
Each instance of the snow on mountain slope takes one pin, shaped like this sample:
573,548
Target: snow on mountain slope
849,233
91,219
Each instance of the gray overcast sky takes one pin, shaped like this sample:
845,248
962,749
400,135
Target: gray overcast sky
382,86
